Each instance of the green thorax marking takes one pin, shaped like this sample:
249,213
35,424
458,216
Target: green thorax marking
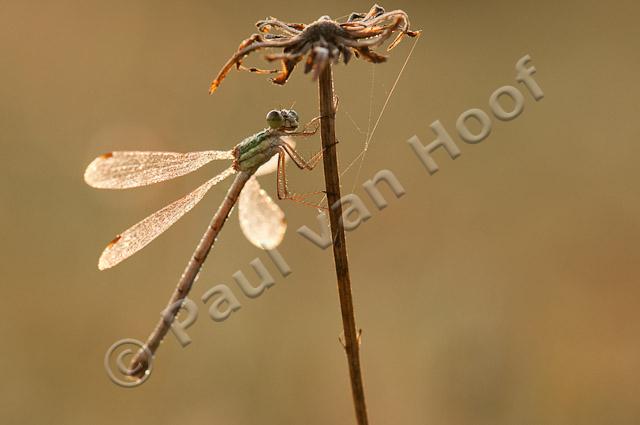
255,150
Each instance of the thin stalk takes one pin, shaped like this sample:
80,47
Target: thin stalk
140,362
332,183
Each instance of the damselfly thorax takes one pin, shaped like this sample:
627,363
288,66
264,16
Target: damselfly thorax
256,150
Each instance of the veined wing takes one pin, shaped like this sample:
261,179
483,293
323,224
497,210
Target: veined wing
141,234
123,170
261,220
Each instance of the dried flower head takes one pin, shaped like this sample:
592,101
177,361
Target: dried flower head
322,41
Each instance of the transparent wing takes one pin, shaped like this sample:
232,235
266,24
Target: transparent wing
141,234
272,164
123,170
261,220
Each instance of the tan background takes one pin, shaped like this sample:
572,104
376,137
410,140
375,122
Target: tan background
502,290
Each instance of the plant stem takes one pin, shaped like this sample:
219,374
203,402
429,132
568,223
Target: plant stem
332,183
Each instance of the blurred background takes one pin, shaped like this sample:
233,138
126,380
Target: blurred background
502,290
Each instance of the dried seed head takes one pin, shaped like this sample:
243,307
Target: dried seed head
323,42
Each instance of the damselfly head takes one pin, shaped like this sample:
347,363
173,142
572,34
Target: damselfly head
283,119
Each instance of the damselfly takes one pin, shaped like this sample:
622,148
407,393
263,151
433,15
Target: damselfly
261,220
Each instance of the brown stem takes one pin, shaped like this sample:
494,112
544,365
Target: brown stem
332,183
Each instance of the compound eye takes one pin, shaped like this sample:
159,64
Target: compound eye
275,119
294,114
